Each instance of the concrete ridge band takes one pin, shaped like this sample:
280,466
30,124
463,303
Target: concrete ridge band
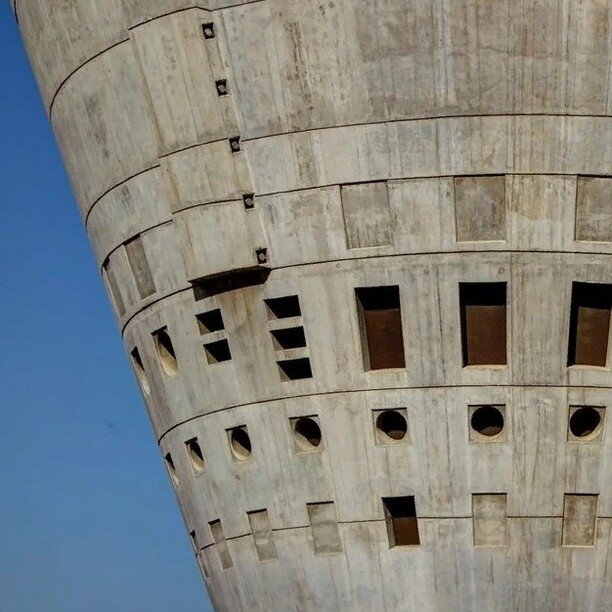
369,256
327,186
424,518
378,389
365,124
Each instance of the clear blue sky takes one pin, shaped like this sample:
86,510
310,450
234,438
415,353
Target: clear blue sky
88,520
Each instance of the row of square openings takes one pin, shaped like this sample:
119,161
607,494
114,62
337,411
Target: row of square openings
288,340
483,325
487,423
489,525
483,330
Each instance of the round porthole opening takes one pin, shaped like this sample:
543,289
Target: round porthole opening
307,433
584,421
487,421
392,426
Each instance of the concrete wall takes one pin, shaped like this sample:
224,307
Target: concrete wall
409,143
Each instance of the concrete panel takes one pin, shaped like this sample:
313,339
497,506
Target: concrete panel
490,519
480,208
594,209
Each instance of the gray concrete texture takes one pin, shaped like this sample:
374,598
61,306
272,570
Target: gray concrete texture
408,143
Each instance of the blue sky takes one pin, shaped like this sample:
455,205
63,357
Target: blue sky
88,519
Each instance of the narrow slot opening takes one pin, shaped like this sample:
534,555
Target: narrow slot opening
589,324
401,519
483,323
210,321
307,433
171,468
290,338
165,352
195,454
240,443
380,322
217,352
392,426
487,421
295,369
141,375
585,421
283,307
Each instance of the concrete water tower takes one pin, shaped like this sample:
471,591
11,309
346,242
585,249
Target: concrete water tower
360,256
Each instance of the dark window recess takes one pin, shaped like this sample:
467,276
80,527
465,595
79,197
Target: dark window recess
139,264
283,307
249,200
195,454
380,322
171,468
217,352
229,281
113,285
487,421
483,323
208,30
292,337
234,143
401,519
240,443
584,421
210,321
589,324
140,371
295,369
165,352
221,86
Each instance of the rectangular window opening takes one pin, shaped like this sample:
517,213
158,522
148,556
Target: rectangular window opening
589,324
290,338
380,322
283,307
295,369
210,321
217,352
401,519
483,323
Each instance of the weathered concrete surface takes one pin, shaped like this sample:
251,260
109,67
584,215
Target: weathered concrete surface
414,143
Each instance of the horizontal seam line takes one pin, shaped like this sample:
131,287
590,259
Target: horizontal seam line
375,389
382,520
426,118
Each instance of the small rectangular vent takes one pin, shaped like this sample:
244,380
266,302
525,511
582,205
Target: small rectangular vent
289,338
483,323
324,527
589,324
283,307
217,352
210,321
380,322
401,518
295,369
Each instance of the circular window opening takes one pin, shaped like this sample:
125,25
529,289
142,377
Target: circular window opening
307,433
584,421
240,443
487,421
392,425
165,351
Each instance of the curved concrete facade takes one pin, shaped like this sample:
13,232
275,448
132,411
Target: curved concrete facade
227,153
